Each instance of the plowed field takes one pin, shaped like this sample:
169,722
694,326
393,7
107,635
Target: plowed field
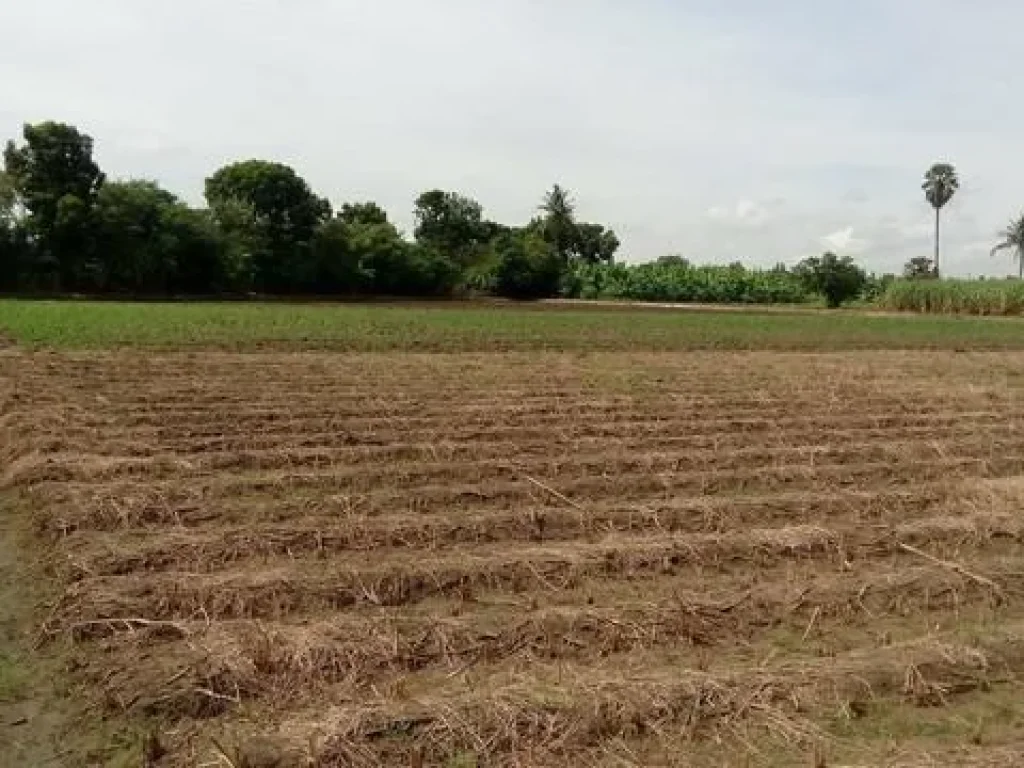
548,559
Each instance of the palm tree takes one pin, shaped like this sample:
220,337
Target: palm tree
940,184
1013,240
558,204
559,220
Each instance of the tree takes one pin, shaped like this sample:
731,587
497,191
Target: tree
1013,241
14,248
201,254
283,208
245,241
673,260
339,267
919,268
528,266
837,279
363,213
558,221
451,223
940,185
7,199
149,241
133,252
595,244
56,179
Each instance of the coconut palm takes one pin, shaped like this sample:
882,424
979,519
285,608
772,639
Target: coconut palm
940,184
559,221
1013,241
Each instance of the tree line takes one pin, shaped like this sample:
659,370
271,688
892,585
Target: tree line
65,227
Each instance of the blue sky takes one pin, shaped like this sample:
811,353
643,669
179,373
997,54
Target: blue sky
724,130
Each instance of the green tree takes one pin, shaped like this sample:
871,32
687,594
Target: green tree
363,213
1013,241
919,268
837,279
595,244
383,262
56,179
201,253
15,253
558,221
245,241
134,254
674,260
338,259
7,199
527,265
940,185
283,210
452,224
149,241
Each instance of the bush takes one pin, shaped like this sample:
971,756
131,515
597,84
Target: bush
837,279
527,266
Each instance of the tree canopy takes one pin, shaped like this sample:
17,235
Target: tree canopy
65,228
283,217
1012,240
836,278
55,178
940,185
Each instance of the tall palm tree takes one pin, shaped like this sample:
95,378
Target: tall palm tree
559,220
558,203
940,184
1013,240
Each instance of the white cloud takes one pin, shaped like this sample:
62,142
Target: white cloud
844,242
744,212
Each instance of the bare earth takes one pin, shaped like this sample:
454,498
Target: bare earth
533,560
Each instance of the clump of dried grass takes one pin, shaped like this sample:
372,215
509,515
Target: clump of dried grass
587,707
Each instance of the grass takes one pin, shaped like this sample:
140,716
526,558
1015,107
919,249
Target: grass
13,677
956,297
482,327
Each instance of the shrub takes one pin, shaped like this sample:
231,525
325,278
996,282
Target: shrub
837,279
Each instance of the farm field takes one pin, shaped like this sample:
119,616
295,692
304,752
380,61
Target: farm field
645,553
485,327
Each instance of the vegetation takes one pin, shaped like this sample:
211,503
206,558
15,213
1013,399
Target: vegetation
479,327
919,268
673,279
837,279
1013,241
940,185
65,228
961,297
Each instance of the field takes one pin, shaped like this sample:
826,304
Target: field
472,542
483,327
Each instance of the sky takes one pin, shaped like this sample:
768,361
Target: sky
720,130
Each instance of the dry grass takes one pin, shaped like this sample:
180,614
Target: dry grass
509,560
